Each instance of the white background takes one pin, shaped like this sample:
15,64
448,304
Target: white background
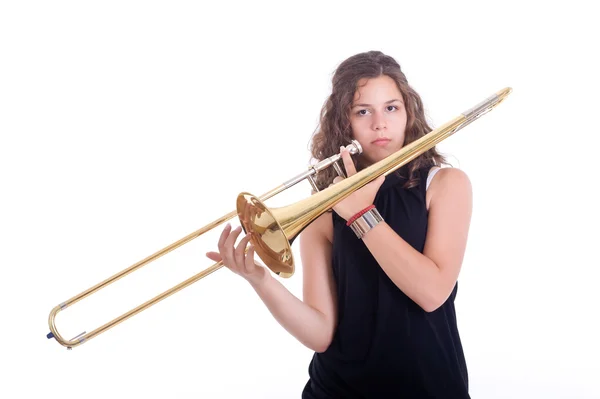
127,125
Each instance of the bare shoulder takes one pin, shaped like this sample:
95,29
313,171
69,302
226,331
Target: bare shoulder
449,183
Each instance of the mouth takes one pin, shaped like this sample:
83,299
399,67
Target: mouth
381,141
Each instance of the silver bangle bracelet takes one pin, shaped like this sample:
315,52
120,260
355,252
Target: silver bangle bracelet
366,222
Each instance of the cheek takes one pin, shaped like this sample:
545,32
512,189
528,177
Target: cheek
399,118
358,127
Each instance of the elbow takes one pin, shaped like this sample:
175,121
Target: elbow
431,307
324,342
435,297
318,346
432,302
322,347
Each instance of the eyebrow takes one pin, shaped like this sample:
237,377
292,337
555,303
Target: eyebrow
368,105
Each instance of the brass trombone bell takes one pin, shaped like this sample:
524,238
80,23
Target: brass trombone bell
273,230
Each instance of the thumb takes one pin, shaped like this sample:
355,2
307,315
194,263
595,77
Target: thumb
214,256
378,182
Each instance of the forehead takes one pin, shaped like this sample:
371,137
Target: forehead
379,89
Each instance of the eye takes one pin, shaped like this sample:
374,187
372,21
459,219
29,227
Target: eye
362,112
392,107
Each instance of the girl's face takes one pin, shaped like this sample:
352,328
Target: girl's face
378,118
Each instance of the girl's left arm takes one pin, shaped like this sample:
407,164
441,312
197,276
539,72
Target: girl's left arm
428,278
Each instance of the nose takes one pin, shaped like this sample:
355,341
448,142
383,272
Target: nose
378,121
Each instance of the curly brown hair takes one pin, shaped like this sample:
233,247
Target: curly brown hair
334,129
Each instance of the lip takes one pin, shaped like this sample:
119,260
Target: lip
381,142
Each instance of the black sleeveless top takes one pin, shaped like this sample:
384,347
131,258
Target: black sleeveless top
385,345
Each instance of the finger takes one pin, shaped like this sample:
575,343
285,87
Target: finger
224,236
250,264
337,179
227,253
214,256
378,182
348,164
241,249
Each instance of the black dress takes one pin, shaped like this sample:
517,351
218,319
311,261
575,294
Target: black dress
385,345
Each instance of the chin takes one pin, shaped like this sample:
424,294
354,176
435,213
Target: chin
376,158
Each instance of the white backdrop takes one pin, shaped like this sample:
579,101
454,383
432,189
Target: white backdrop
127,125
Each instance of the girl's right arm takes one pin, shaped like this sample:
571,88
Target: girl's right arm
312,321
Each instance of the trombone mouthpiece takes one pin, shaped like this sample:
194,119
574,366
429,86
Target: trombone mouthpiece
356,148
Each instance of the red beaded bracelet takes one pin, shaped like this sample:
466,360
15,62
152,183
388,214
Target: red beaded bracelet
359,214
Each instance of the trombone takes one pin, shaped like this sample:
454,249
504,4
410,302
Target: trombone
273,230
